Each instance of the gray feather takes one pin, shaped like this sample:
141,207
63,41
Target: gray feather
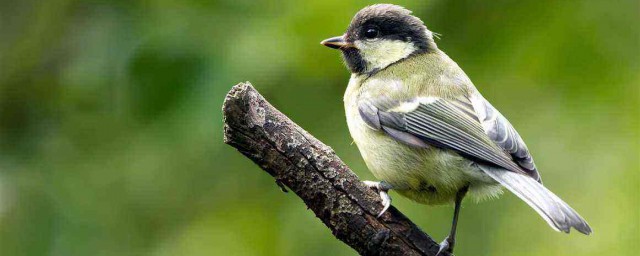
498,128
441,123
369,114
405,137
556,212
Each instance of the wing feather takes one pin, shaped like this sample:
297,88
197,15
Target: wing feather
498,128
468,125
474,129
440,123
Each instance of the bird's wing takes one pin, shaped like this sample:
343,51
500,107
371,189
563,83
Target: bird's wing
445,123
498,128
481,134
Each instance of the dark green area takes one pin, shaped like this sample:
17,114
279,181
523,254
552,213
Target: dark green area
111,129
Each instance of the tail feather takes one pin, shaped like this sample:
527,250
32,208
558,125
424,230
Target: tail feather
556,212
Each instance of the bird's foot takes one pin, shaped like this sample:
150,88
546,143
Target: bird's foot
446,247
382,188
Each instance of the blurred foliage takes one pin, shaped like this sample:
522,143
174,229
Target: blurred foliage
111,129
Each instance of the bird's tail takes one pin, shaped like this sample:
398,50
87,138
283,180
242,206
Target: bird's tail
556,212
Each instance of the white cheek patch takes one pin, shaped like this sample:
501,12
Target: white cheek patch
381,53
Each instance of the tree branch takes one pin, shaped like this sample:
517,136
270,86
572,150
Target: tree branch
314,172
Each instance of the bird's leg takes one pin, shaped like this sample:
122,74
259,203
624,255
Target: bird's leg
449,242
382,187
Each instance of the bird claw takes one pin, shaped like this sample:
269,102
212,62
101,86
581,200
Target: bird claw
386,202
445,247
382,188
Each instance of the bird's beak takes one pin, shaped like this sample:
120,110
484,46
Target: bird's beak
337,42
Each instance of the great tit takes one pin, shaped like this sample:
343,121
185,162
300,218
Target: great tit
423,128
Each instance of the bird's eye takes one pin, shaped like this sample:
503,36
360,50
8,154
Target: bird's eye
371,33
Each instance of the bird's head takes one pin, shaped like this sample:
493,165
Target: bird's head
380,35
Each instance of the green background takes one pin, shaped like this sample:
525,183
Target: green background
111,129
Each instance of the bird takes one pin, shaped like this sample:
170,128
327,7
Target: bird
424,130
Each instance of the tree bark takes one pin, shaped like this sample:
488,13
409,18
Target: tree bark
314,172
